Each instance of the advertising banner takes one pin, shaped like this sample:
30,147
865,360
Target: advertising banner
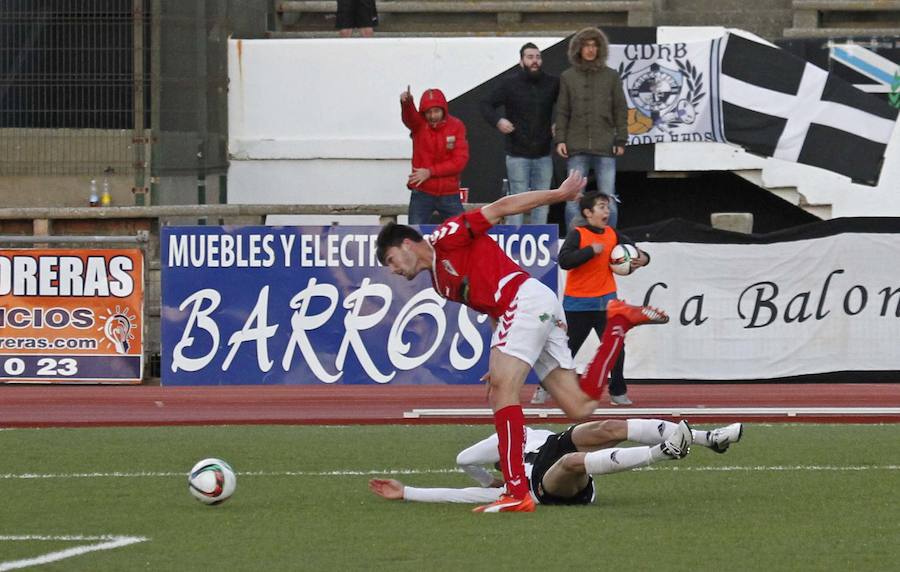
768,311
311,304
71,315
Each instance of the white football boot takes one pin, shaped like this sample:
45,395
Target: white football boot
678,445
540,396
722,438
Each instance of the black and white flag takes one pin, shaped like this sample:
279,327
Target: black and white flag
669,90
778,105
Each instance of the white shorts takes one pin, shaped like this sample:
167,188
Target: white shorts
533,329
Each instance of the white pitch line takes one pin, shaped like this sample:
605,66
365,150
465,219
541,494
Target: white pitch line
122,475
776,468
368,472
61,538
107,543
548,412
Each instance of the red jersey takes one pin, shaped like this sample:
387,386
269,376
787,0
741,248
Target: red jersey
471,268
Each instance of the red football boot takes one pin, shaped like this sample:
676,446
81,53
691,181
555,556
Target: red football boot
508,503
635,315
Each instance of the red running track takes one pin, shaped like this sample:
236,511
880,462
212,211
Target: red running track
79,406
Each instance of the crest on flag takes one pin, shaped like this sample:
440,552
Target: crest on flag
666,88
669,98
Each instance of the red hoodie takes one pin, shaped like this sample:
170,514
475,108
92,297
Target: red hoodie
441,149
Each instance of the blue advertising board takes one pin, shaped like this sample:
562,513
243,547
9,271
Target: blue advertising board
310,305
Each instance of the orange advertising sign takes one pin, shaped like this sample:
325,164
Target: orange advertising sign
71,315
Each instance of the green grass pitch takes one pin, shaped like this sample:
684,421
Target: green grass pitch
788,497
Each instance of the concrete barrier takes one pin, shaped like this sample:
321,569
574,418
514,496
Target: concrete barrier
735,222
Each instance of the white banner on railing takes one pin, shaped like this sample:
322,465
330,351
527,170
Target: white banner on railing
765,311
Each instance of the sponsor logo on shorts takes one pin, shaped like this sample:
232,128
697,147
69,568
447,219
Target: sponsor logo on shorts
545,317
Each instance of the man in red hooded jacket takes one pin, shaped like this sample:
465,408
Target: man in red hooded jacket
440,153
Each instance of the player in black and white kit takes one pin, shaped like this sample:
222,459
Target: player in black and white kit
560,465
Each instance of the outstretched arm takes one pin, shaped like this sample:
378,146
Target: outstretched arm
523,202
408,113
390,489
395,490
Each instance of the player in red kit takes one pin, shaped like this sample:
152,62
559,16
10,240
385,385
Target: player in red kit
467,266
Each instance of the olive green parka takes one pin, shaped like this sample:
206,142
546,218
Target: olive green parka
591,112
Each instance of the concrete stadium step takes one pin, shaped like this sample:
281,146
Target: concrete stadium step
765,23
766,18
443,6
474,16
839,32
331,33
789,194
841,18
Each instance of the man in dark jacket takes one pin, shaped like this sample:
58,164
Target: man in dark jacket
591,116
527,99
440,153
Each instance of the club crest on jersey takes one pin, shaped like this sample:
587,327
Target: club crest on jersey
449,268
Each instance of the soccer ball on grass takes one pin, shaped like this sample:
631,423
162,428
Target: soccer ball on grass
212,481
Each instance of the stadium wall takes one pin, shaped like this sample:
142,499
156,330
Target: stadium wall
315,121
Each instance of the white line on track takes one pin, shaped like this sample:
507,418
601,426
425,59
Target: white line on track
106,542
351,473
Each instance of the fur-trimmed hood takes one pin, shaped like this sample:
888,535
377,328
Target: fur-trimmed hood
602,48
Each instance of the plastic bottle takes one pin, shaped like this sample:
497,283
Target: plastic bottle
504,189
94,199
105,198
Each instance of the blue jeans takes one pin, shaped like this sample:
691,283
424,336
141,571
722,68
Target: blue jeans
421,205
605,171
529,175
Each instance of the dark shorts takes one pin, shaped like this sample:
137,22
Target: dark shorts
551,451
356,14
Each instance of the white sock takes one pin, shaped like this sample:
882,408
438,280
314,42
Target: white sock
702,437
657,455
649,431
655,431
606,461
